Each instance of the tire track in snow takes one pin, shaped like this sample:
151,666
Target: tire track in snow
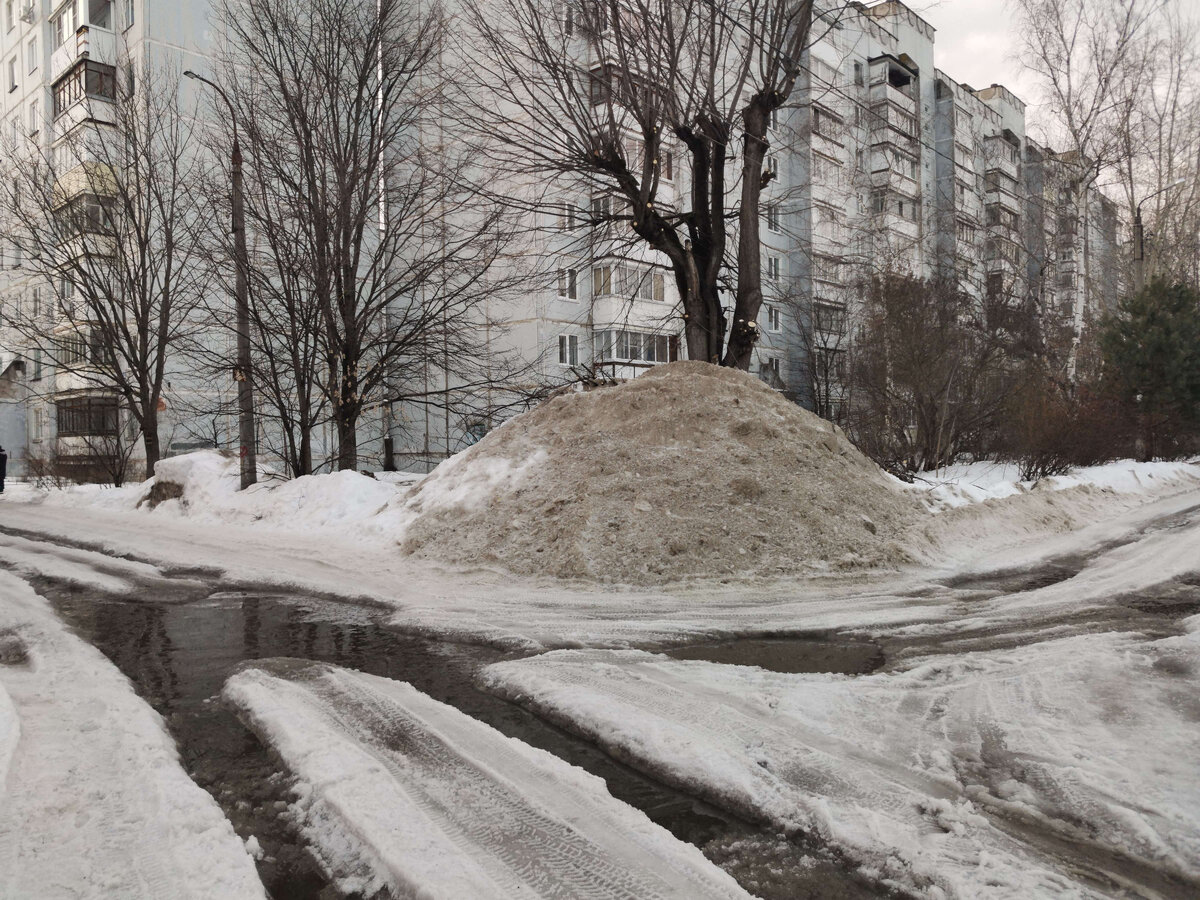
439,803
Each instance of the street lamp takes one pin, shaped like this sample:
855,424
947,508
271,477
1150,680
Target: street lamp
1139,236
242,370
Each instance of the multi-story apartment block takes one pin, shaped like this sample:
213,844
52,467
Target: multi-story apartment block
64,62
879,162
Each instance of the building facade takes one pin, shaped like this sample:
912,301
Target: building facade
880,162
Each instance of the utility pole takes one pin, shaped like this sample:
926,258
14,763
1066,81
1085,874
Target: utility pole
1139,237
242,369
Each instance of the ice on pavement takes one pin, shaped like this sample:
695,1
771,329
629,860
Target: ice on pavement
95,802
405,794
942,778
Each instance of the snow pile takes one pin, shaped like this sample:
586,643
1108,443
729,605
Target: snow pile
688,470
404,796
96,803
953,487
964,776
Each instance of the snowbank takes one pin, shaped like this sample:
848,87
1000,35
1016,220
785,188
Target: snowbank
956,486
96,803
408,796
964,776
688,470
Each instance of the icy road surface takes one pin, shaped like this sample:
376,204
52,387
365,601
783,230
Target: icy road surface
411,796
93,800
1066,768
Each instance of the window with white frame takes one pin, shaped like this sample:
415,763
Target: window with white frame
12,74
64,24
769,368
128,8
568,217
568,284
774,220
602,282
35,117
568,349
773,267
774,319
31,55
39,422
634,346
638,283
602,206
771,164
9,14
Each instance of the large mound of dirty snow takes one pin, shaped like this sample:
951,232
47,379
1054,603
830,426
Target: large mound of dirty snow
689,470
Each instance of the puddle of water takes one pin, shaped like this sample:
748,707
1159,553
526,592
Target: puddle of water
178,656
806,653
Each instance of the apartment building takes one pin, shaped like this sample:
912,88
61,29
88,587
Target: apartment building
879,162
64,62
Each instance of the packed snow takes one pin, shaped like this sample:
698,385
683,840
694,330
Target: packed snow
944,778
690,470
403,794
95,802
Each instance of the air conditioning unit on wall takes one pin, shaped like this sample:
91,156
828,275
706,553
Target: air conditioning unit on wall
29,12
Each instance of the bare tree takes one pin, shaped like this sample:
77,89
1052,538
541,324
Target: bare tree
106,224
369,228
928,372
618,98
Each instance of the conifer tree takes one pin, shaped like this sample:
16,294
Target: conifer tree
1151,352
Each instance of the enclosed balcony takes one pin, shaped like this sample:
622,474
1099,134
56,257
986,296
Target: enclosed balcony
83,30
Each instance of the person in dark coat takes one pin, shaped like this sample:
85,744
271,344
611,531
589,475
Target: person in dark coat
3,467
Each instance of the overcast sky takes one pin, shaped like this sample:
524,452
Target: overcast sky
976,43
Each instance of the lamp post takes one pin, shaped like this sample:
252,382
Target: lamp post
242,370
1139,237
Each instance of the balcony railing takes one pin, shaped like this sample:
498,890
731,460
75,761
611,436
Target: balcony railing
89,42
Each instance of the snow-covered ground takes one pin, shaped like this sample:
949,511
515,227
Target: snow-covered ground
338,534
93,799
1020,736
407,795
943,777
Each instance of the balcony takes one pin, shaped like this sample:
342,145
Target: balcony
89,42
900,96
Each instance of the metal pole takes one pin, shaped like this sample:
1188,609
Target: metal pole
1139,252
242,369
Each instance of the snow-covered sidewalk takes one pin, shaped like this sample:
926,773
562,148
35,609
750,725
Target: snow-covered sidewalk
963,776
404,794
93,799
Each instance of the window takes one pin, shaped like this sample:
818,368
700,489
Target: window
36,296
568,350
636,346
601,281
773,119
72,350
773,267
85,214
88,79
127,14
64,24
599,87
858,74
12,74
774,319
35,117
966,232
771,164
773,217
568,217
31,55
829,317
602,206
39,421
665,164
769,369
568,284
9,14
826,123
87,417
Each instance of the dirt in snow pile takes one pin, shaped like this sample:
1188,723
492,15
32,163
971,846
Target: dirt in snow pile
689,470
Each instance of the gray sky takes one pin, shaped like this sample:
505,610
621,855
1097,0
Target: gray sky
976,43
